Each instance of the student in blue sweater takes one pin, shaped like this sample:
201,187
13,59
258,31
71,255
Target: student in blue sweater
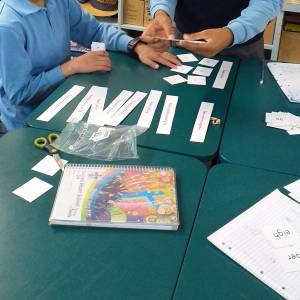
231,27
35,51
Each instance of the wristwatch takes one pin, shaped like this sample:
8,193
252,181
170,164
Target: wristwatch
132,44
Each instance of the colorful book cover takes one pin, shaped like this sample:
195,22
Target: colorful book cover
134,197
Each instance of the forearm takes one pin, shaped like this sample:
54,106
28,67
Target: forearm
253,19
167,6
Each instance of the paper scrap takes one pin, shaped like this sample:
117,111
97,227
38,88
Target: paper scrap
196,80
188,57
167,115
222,75
96,112
149,109
126,109
183,69
32,189
48,166
202,71
59,104
97,46
284,121
175,79
209,62
202,122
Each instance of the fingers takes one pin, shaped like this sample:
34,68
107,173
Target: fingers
170,60
150,62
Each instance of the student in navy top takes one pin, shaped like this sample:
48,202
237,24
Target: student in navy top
232,27
35,51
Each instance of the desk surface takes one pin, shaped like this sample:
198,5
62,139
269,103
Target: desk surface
246,139
207,273
38,261
129,74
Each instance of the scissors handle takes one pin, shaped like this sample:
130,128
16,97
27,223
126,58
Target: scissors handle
43,143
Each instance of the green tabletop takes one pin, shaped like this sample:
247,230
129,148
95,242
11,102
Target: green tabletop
246,139
129,74
207,273
38,261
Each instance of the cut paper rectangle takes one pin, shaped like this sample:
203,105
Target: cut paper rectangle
167,115
188,57
202,71
202,122
126,109
59,104
183,69
175,79
196,80
32,189
97,46
209,62
48,166
96,112
149,109
222,76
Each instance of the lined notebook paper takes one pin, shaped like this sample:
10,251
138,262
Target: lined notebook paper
265,240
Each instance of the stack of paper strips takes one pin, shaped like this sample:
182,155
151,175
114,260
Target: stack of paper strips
285,121
140,197
288,78
265,240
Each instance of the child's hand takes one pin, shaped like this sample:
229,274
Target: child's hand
153,58
90,62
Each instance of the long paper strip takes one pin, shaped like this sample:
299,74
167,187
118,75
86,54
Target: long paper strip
96,112
222,75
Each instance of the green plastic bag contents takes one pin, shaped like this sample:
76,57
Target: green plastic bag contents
99,142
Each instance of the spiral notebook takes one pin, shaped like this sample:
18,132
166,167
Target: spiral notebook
140,197
265,240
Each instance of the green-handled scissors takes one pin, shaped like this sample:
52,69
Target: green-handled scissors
44,143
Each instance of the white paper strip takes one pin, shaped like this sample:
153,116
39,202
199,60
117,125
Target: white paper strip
32,189
126,109
196,80
96,112
167,115
202,122
59,104
114,106
83,105
149,109
222,75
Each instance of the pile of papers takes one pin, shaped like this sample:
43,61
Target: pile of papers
284,121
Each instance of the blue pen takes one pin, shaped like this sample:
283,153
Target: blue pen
262,72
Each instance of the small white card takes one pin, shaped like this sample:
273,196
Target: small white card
167,115
175,79
32,189
59,104
289,258
96,112
188,57
48,165
202,122
97,46
209,62
223,75
197,80
202,71
149,109
126,109
183,69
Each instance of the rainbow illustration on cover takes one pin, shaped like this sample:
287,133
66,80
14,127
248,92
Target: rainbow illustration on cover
131,195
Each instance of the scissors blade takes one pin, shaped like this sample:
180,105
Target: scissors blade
59,161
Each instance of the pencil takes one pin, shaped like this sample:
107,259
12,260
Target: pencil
262,72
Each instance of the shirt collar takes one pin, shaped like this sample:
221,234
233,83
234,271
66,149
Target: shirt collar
23,7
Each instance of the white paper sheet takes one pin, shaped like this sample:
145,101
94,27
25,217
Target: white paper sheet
293,186
97,46
183,69
126,109
59,104
167,115
148,112
188,57
222,76
32,189
48,166
209,62
85,104
96,112
202,122
202,71
196,80
175,79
